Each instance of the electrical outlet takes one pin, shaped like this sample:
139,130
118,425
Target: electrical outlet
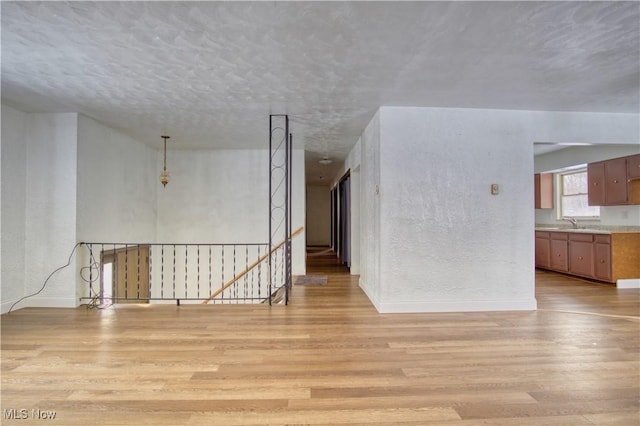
494,189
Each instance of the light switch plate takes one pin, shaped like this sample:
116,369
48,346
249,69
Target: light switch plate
494,189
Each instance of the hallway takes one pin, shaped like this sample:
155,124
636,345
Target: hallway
322,260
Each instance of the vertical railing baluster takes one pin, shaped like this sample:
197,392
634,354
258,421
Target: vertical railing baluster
210,289
126,271
162,271
222,280
186,275
246,278
138,272
114,276
174,271
101,273
150,254
274,273
259,274
91,266
198,263
235,285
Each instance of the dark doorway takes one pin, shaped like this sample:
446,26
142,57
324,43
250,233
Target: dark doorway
341,219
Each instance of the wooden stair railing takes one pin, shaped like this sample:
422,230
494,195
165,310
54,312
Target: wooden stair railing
250,267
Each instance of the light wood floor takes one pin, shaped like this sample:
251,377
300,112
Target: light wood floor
329,358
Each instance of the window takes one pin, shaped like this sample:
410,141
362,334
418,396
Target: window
573,190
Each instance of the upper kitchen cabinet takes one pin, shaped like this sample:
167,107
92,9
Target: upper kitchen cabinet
595,176
615,187
543,184
610,182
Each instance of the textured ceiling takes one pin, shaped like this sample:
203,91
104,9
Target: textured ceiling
210,73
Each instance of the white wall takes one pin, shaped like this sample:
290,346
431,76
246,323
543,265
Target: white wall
369,154
577,155
609,215
222,196
299,202
117,186
14,182
0,220
355,182
50,208
444,242
214,196
447,244
318,215
39,208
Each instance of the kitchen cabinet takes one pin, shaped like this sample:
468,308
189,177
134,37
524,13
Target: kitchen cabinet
542,249
633,167
595,177
558,251
615,187
543,190
614,182
581,254
604,257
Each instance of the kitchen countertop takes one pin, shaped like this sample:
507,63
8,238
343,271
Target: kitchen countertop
607,230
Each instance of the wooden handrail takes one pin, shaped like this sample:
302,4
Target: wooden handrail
250,267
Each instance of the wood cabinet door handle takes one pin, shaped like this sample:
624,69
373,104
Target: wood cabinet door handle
580,257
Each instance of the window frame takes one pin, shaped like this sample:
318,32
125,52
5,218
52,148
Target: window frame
561,195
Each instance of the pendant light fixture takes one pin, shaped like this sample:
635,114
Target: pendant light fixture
164,176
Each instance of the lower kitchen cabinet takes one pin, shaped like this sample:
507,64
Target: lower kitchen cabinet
604,257
559,252
542,249
581,255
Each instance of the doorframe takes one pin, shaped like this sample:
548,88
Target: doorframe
341,219
142,267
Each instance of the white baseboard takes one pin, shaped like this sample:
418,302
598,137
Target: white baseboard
458,306
5,306
364,288
41,302
628,283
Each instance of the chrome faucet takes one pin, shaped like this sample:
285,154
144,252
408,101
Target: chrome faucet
571,220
